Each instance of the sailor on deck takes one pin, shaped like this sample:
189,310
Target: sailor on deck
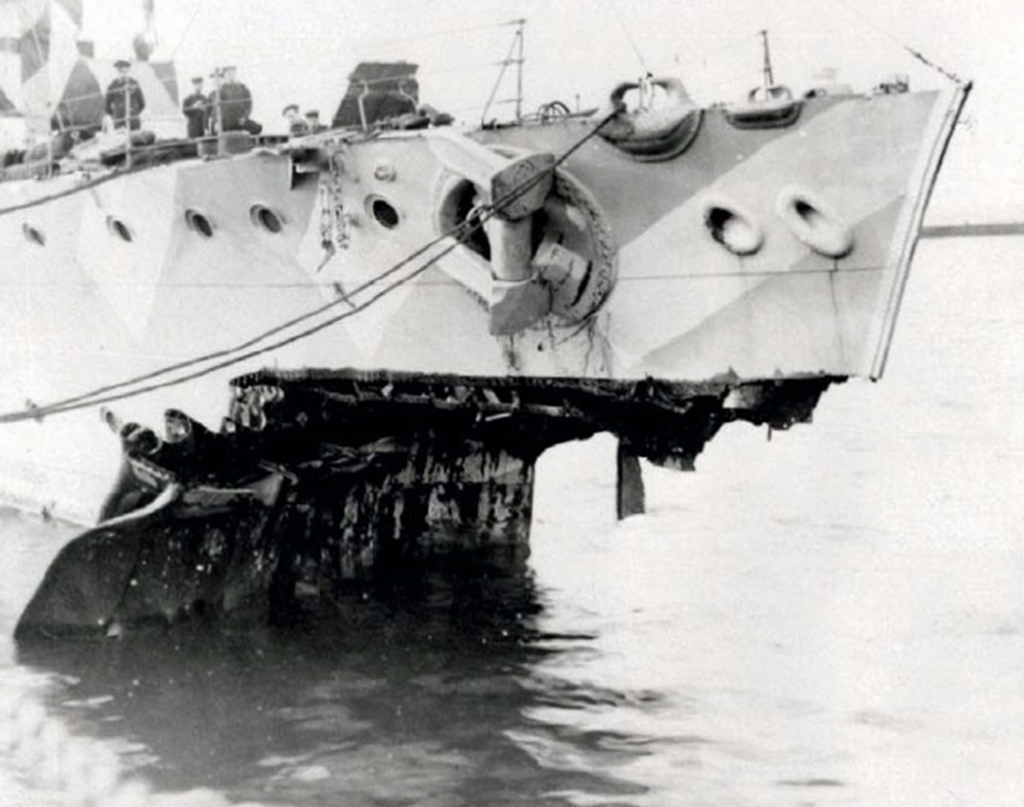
196,108
313,121
231,104
124,99
296,125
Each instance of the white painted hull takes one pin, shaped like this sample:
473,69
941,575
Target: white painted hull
87,309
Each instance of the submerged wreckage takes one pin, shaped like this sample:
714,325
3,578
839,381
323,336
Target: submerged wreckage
439,305
322,476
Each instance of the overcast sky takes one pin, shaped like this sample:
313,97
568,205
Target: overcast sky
302,51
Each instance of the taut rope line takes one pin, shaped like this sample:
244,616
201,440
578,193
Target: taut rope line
459,232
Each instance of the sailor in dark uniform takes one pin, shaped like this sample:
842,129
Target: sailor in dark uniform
313,122
231,105
196,108
124,100
296,125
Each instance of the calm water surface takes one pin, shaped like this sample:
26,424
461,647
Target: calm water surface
832,616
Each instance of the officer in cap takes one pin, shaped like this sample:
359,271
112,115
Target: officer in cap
296,125
235,104
124,99
197,109
313,122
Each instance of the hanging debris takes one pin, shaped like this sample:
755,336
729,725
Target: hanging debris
318,479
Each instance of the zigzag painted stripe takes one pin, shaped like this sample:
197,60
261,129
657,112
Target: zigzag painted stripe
35,47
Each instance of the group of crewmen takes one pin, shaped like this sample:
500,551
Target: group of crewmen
235,105
226,109
299,125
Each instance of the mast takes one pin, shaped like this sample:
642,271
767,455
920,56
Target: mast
519,71
769,78
515,48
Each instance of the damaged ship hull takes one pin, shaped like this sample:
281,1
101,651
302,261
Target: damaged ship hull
324,478
714,251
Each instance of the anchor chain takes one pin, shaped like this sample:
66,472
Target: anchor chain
334,222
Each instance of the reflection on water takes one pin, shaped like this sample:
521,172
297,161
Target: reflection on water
830,618
417,691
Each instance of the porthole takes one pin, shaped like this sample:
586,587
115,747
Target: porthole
118,228
33,235
732,227
815,222
266,219
383,212
199,223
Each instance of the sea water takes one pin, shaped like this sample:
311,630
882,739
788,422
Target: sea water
828,615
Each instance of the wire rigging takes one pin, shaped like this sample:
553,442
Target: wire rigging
504,66
629,36
187,28
233,356
893,38
439,34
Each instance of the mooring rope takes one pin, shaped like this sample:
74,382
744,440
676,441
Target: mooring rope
109,394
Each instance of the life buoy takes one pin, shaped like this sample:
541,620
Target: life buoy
652,135
814,221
